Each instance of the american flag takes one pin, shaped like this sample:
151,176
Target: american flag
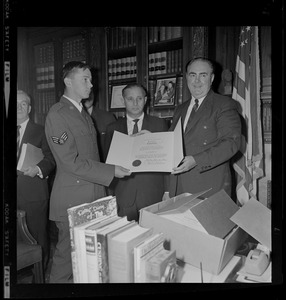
246,91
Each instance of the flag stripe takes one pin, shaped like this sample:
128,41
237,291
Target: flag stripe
247,92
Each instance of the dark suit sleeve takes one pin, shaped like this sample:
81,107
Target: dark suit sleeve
228,138
47,164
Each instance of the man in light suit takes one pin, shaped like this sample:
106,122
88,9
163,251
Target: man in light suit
140,189
80,176
212,135
32,186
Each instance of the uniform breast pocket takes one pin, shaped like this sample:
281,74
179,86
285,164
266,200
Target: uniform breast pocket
83,140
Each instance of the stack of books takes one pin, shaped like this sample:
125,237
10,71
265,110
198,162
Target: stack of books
107,248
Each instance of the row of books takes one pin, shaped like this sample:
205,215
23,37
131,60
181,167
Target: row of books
107,248
121,37
162,33
165,62
45,76
44,53
152,87
74,49
44,101
122,68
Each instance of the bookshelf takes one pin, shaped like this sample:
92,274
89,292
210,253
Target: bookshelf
152,56
118,55
144,55
48,57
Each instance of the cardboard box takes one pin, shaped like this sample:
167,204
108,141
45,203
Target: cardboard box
193,246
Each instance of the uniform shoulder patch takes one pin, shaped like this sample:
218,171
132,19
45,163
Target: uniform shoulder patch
60,140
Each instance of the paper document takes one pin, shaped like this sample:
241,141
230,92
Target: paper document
30,156
149,152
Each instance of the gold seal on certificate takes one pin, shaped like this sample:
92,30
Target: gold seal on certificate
136,163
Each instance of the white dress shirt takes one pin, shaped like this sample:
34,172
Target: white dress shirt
130,123
75,103
190,110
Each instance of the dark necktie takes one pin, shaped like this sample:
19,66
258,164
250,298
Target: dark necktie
135,128
18,139
195,108
193,112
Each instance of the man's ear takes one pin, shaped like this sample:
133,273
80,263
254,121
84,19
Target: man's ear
67,82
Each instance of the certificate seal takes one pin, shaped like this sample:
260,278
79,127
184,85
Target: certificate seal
136,163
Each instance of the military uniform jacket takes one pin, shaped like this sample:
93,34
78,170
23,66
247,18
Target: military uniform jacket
80,176
142,188
212,137
101,119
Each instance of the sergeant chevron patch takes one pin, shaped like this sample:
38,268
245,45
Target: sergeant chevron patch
61,140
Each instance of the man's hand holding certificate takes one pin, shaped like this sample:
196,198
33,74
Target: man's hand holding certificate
148,152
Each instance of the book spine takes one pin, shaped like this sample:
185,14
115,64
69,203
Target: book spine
80,249
117,259
156,266
141,273
102,254
73,254
92,257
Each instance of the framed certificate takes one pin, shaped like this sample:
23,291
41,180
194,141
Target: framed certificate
116,98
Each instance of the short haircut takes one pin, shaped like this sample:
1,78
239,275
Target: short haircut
131,85
27,97
71,66
200,58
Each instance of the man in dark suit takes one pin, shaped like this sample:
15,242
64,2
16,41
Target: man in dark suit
140,189
101,120
212,134
80,177
32,186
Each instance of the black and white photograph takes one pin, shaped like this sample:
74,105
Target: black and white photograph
165,92
125,181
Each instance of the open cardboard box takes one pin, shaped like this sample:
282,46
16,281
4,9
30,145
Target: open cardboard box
210,251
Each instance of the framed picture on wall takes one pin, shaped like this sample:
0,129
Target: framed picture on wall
116,99
165,92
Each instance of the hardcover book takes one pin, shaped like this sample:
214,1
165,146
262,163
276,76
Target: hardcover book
30,156
85,212
102,245
144,251
93,257
161,267
80,247
120,253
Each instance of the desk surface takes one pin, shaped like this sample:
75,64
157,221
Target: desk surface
189,273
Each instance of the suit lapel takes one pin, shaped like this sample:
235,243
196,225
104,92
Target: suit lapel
122,126
200,112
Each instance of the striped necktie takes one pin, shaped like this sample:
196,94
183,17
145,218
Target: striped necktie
135,128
